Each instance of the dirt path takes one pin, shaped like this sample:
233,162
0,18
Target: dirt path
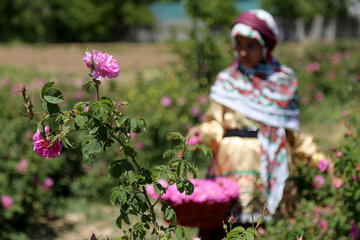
66,58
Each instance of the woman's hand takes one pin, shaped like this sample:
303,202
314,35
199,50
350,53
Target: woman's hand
196,132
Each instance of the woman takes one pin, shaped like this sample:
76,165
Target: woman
252,122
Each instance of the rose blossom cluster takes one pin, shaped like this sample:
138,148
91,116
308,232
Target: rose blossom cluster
102,65
218,190
43,147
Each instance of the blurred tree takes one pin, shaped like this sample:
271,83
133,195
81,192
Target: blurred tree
215,13
308,12
71,20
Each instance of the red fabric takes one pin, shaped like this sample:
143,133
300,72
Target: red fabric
253,21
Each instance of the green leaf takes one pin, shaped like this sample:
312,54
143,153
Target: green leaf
175,136
249,235
118,222
86,86
107,103
117,168
113,198
65,142
189,187
98,110
50,108
80,120
180,170
253,230
169,213
45,88
180,186
168,153
158,188
133,125
135,204
53,95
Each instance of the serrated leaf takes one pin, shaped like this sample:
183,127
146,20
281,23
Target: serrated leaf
53,95
180,170
80,120
68,143
86,86
175,136
253,231
249,235
133,125
135,204
180,186
113,198
168,153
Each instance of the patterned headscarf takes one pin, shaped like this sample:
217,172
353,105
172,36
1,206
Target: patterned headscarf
266,93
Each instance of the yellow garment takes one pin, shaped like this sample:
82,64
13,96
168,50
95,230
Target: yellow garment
239,158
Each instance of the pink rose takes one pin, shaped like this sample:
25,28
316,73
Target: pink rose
79,95
195,111
6,201
261,231
338,184
344,114
348,132
86,109
354,231
319,96
339,154
202,100
166,101
22,166
43,147
318,181
4,82
202,118
324,225
304,101
139,145
193,140
102,65
313,67
181,101
300,238
323,164
93,237
48,183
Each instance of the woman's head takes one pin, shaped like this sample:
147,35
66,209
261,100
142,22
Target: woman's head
253,32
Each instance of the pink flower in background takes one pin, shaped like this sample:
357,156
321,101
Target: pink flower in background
88,168
323,164
166,101
78,95
4,82
42,146
313,67
15,90
181,101
339,154
354,231
300,238
139,145
319,96
29,134
202,100
132,135
196,238
358,168
261,231
324,225
48,183
22,166
348,132
344,114
193,140
21,87
304,101
332,76
86,109
338,184
39,82
102,64
195,111
318,181
311,87
346,54
188,126
202,118
336,58
6,201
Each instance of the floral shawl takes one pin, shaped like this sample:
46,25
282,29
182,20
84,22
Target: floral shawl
267,94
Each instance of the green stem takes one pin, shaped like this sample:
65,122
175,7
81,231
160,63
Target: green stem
147,199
